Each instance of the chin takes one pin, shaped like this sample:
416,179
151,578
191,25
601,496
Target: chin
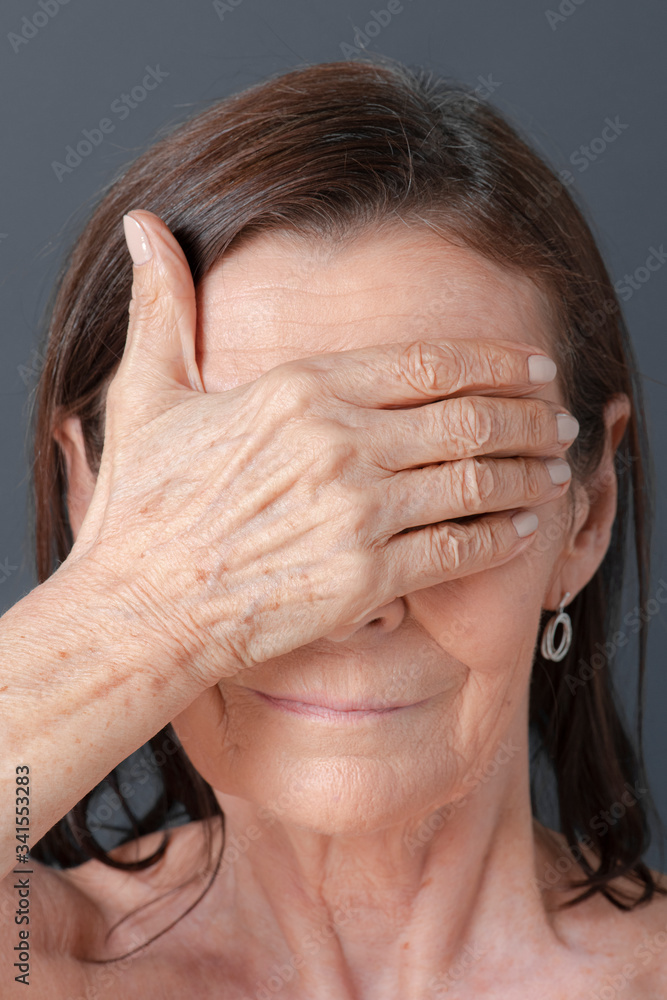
326,779
350,795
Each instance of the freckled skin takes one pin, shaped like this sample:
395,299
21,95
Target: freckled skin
346,813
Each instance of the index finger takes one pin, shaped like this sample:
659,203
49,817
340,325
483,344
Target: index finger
420,371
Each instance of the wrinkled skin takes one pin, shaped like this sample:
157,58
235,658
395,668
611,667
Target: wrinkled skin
383,855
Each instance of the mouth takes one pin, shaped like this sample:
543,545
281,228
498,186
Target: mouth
327,709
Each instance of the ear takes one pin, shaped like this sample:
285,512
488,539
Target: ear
595,510
80,480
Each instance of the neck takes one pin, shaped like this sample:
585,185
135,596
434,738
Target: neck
404,910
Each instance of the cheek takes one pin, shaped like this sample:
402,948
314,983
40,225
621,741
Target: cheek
489,621
201,729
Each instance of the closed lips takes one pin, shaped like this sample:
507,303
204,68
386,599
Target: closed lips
323,701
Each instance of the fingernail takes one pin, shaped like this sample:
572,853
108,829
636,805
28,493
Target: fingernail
559,470
541,368
568,427
525,522
137,241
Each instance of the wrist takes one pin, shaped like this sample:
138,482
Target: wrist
89,606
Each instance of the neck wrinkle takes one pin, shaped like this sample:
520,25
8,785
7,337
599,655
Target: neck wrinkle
362,917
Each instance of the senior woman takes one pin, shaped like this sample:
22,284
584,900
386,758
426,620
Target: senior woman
320,536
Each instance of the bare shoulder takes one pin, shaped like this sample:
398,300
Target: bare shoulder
630,944
649,954
640,940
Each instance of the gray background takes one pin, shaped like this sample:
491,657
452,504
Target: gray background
558,76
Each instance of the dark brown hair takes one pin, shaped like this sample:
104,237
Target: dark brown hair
326,151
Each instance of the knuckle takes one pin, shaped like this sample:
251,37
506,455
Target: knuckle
477,482
290,387
469,422
462,546
534,475
419,366
366,517
539,419
348,511
326,451
492,366
499,368
453,548
459,361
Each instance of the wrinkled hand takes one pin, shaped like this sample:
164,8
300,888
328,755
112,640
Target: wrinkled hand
244,524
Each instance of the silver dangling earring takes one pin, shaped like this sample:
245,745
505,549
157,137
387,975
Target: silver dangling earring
548,650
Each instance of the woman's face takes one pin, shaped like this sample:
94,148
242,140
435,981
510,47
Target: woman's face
464,648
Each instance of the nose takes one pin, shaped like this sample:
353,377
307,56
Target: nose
386,619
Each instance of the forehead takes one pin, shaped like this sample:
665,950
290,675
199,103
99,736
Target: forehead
277,298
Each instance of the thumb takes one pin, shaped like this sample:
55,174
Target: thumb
160,347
